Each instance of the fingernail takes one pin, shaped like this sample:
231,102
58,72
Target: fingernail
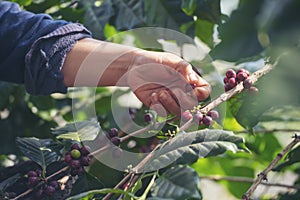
193,77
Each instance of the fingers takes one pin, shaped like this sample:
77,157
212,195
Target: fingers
202,88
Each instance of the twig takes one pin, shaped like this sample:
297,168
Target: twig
263,175
271,130
123,181
238,89
248,180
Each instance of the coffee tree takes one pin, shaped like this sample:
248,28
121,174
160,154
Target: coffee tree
241,143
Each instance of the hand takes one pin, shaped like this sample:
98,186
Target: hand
162,81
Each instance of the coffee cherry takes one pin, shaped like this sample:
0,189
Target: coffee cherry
230,73
207,120
75,146
74,172
85,161
54,184
75,154
186,116
113,132
247,83
33,181
68,158
244,71
253,90
241,76
75,163
80,171
116,141
225,80
198,117
232,82
227,87
148,117
49,190
85,150
32,174
213,114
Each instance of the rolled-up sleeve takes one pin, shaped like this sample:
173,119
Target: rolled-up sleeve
34,47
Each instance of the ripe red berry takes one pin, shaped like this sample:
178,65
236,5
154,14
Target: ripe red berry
198,117
85,150
116,141
80,171
75,146
225,80
68,158
232,82
49,190
33,181
75,154
241,76
227,87
148,117
213,114
113,132
243,70
207,120
253,90
32,174
186,116
85,161
247,83
54,184
75,163
230,73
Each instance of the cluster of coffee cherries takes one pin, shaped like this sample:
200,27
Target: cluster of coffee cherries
112,135
200,118
233,78
48,189
77,158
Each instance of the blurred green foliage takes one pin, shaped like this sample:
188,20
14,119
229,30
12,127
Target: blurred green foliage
257,29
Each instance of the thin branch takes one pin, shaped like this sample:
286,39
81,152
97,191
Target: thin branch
122,182
238,89
248,180
270,130
263,175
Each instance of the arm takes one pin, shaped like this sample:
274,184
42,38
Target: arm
160,80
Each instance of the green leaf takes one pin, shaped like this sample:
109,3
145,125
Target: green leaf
9,182
80,131
239,34
204,31
189,6
164,13
203,9
180,182
187,148
90,194
42,151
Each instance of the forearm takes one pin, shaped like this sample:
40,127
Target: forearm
97,63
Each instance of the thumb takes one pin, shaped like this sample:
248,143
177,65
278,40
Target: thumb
200,86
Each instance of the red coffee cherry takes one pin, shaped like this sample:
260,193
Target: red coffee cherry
230,73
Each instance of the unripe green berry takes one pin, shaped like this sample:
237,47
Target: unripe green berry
75,154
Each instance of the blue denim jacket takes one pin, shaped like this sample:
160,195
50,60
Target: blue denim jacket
33,48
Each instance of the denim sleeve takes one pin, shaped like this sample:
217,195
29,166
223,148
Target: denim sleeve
34,47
